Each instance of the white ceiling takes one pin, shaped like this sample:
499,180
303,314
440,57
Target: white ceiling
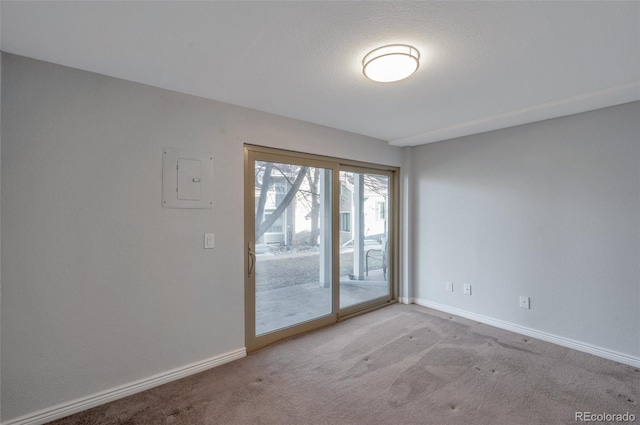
485,65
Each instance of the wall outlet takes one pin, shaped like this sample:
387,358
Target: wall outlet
524,302
450,286
467,289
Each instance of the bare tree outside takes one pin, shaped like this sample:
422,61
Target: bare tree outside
308,195
264,223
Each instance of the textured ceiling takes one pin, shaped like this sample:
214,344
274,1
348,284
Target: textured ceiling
485,65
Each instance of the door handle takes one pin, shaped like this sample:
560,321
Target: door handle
252,260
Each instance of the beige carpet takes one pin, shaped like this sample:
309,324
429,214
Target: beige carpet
398,365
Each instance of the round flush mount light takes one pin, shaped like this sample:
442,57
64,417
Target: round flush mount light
390,63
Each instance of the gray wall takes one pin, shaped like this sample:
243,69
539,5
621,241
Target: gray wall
0,220
550,210
101,286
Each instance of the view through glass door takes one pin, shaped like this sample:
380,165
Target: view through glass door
292,244
364,238
318,244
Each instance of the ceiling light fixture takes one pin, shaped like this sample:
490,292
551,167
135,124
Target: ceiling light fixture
391,63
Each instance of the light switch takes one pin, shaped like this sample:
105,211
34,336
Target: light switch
208,240
189,179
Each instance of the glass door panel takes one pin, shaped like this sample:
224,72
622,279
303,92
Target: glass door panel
292,244
364,238
318,242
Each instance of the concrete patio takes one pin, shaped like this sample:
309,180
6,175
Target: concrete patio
291,305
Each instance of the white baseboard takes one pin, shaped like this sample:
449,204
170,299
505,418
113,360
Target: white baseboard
405,300
84,403
544,336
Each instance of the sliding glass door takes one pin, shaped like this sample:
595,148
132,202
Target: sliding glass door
318,246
